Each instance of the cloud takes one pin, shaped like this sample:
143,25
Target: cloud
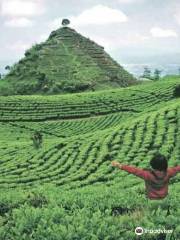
19,23
111,43
130,1
103,41
177,17
97,15
43,37
162,33
18,8
18,46
17,49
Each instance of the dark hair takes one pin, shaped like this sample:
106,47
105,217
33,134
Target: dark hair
159,162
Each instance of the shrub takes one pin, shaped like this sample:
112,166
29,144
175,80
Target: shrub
177,91
37,200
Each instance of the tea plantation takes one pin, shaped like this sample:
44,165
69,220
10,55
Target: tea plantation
66,62
67,189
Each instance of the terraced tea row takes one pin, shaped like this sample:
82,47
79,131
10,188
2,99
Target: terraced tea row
11,133
85,160
66,62
132,100
67,128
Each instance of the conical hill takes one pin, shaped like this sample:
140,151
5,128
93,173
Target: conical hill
66,62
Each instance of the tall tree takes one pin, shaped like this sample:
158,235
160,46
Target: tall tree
157,74
147,73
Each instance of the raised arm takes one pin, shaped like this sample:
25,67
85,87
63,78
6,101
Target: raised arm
133,170
173,171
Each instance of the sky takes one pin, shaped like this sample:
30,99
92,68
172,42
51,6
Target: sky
132,31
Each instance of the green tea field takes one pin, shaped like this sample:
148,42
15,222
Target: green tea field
67,188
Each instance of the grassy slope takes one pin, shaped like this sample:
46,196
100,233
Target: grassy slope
66,62
130,100
89,191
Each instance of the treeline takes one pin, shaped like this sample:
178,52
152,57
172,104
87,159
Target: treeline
154,75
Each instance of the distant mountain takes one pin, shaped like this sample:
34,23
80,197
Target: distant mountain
66,62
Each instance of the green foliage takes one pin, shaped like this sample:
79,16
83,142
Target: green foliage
157,74
36,199
67,106
5,88
177,91
67,189
7,67
66,62
76,215
147,73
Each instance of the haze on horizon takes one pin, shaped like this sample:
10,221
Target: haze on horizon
132,31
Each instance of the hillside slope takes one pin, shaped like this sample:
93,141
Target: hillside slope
130,127
66,62
130,100
68,183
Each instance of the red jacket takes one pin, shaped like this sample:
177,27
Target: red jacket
156,181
